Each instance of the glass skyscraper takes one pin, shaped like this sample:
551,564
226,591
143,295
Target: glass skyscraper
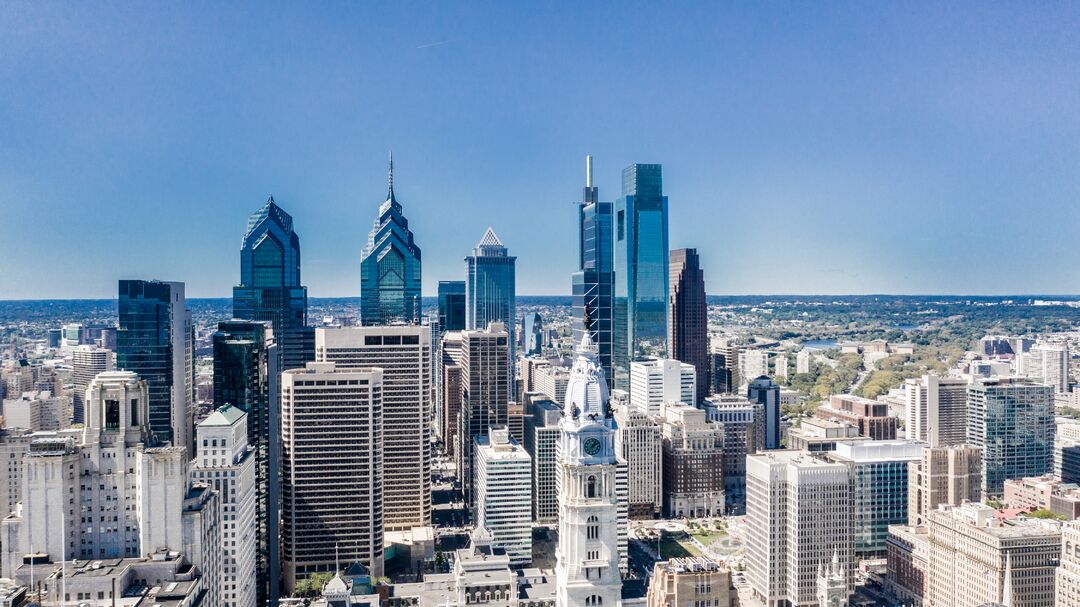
451,305
154,339
270,288
593,283
1012,420
246,376
641,268
490,283
390,267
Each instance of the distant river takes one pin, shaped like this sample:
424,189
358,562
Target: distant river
820,344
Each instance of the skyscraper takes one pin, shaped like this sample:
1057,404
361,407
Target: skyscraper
270,288
1012,420
490,291
594,282
403,353
533,334
799,515
504,493
226,462
688,318
937,410
641,268
766,392
390,266
485,394
332,502
452,305
86,363
246,376
154,340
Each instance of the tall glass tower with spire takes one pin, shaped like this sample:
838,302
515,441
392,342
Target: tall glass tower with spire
592,284
390,267
270,288
641,268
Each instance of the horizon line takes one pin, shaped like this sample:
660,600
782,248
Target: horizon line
567,295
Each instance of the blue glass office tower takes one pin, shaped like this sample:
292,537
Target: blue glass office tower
641,269
390,267
532,334
246,376
490,283
154,338
593,283
452,305
270,288
1012,420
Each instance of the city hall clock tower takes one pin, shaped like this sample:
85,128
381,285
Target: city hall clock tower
587,570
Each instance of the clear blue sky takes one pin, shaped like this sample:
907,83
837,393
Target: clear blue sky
807,147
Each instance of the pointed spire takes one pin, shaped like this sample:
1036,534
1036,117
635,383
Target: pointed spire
390,178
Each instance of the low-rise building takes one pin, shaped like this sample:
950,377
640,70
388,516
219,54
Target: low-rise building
1045,492
871,417
697,581
818,435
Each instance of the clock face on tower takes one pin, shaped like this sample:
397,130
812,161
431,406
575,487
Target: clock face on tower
592,446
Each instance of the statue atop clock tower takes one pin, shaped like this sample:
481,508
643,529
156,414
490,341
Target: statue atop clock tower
587,569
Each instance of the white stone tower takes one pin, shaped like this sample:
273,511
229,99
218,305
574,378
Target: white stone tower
587,571
832,584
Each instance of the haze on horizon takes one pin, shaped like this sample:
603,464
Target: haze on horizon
843,148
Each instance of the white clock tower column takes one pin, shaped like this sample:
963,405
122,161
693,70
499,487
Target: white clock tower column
587,571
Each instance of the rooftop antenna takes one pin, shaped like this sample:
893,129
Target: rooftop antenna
588,171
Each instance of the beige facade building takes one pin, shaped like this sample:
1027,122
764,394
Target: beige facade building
936,410
332,469
944,475
695,581
1044,493
403,352
1068,574
978,559
638,443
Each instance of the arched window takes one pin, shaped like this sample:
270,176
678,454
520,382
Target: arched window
592,530
590,487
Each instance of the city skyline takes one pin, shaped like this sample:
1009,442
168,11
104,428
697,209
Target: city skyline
880,146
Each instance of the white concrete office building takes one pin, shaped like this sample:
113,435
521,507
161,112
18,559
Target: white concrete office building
657,381
936,410
503,493
226,462
86,363
798,515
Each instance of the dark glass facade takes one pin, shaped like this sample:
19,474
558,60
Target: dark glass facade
641,268
490,285
390,267
766,392
246,376
451,305
154,339
593,284
688,319
270,288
